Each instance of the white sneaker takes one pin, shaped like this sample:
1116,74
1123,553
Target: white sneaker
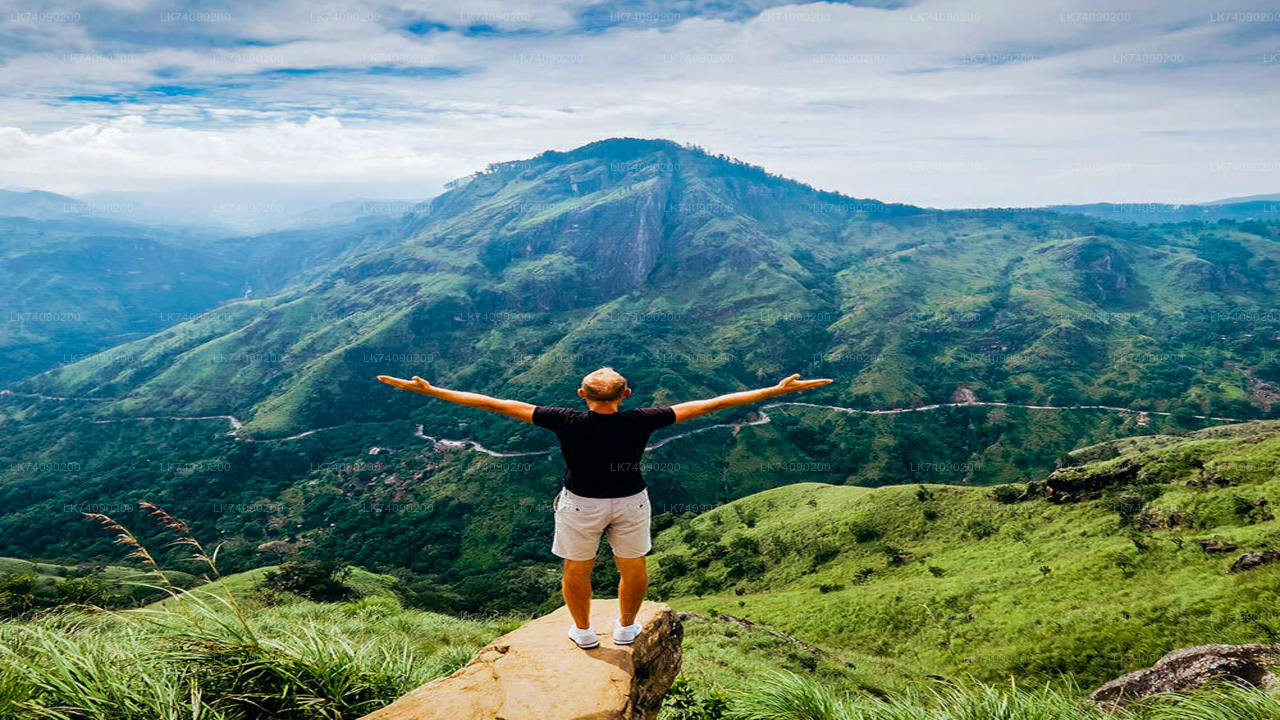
585,639
625,634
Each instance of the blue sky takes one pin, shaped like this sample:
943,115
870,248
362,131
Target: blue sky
942,103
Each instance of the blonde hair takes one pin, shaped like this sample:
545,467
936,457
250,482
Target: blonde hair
604,385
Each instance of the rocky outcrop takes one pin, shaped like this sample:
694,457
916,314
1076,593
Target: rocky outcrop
1190,668
1079,483
1249,561
537,673
1215,545
1105,276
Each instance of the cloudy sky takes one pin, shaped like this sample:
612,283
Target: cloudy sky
938,102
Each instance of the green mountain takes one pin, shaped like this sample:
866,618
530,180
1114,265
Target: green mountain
693,274
698,274
77,284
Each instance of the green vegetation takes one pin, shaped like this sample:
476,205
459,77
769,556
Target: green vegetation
792,697
281,584
918,544
200,660
920,602
245,646
30,587
693,274
72,287
963,582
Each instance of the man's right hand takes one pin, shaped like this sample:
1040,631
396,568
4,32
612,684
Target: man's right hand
417,384
511,408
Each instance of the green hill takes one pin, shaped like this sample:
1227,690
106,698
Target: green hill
692,273
999,582
27,586
247,587
1130,549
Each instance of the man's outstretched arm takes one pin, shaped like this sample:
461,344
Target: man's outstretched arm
510,408
698,408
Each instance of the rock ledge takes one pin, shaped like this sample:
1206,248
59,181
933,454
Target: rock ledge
536,673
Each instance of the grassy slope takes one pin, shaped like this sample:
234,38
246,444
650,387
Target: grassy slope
49,574
1104,606
243,586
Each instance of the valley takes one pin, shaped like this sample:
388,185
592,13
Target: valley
1044,426
968,347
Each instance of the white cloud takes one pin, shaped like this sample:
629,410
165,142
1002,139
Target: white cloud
945,103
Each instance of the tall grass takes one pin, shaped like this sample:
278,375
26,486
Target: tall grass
794,697
302,661
203,657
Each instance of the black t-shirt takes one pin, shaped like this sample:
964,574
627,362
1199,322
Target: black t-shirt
602,450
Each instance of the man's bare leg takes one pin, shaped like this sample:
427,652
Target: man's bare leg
576,586
633,581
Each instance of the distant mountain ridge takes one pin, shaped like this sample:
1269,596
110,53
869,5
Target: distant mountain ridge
648,229
1258,207
38,204
1272,197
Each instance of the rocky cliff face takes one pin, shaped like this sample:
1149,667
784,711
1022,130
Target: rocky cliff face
536,673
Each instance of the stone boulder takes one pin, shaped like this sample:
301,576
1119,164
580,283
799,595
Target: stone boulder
1190,668
1252,560
537,673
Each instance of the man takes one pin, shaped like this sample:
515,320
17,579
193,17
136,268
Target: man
604,491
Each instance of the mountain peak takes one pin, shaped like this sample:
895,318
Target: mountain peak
619,148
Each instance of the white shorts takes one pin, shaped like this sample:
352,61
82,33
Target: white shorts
581,520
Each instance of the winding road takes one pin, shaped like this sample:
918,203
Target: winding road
761,419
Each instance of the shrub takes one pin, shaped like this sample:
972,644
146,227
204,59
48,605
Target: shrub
675,565
864,533
17,594
980,527
744,566
1128,505
684,702
88,590
319,580
662,521
824,554
1008,494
